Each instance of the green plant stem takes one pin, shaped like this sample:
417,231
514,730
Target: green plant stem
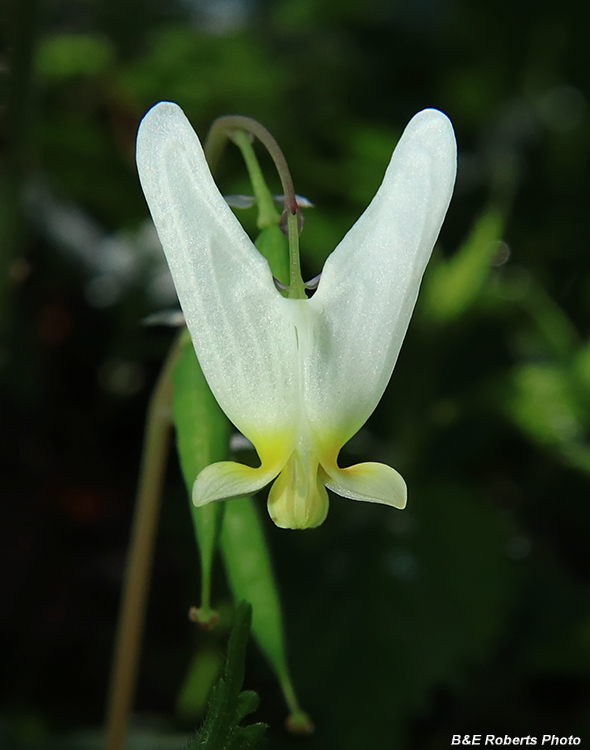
134,598
296,285
236,128
222,128
267,213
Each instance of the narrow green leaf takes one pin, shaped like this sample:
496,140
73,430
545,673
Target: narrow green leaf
221,728
452,287
249,569
248,701
544,403
552,322
204,670
202,437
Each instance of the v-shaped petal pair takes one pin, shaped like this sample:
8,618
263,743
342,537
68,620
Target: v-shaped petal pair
297,377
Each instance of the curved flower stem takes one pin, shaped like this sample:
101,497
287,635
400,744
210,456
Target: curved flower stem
221,130
134,598
235,127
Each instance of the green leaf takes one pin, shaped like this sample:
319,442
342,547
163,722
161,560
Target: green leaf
545,403
202,438
452,287
221,728
251,578
552,323
248,701
250,575
205,668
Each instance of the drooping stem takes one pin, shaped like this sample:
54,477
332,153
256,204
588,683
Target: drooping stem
237,127
219,132
134,598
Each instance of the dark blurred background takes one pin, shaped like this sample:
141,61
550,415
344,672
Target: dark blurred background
468,612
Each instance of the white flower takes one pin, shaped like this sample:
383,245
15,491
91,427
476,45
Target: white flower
297,377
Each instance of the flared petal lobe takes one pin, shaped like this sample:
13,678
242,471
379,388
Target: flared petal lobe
227,479
370,283
369,482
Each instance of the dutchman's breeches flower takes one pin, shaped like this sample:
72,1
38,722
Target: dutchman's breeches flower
298,377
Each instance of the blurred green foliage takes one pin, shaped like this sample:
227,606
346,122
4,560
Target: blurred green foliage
65,56
468,610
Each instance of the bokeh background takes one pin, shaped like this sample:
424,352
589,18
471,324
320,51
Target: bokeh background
467,612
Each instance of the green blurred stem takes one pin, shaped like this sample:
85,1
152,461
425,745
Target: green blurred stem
134,598
267,213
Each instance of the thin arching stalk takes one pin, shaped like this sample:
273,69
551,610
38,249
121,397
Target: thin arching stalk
134,598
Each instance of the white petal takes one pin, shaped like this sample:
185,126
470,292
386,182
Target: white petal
245,345
370,283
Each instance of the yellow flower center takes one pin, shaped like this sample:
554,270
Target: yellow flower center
298,498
